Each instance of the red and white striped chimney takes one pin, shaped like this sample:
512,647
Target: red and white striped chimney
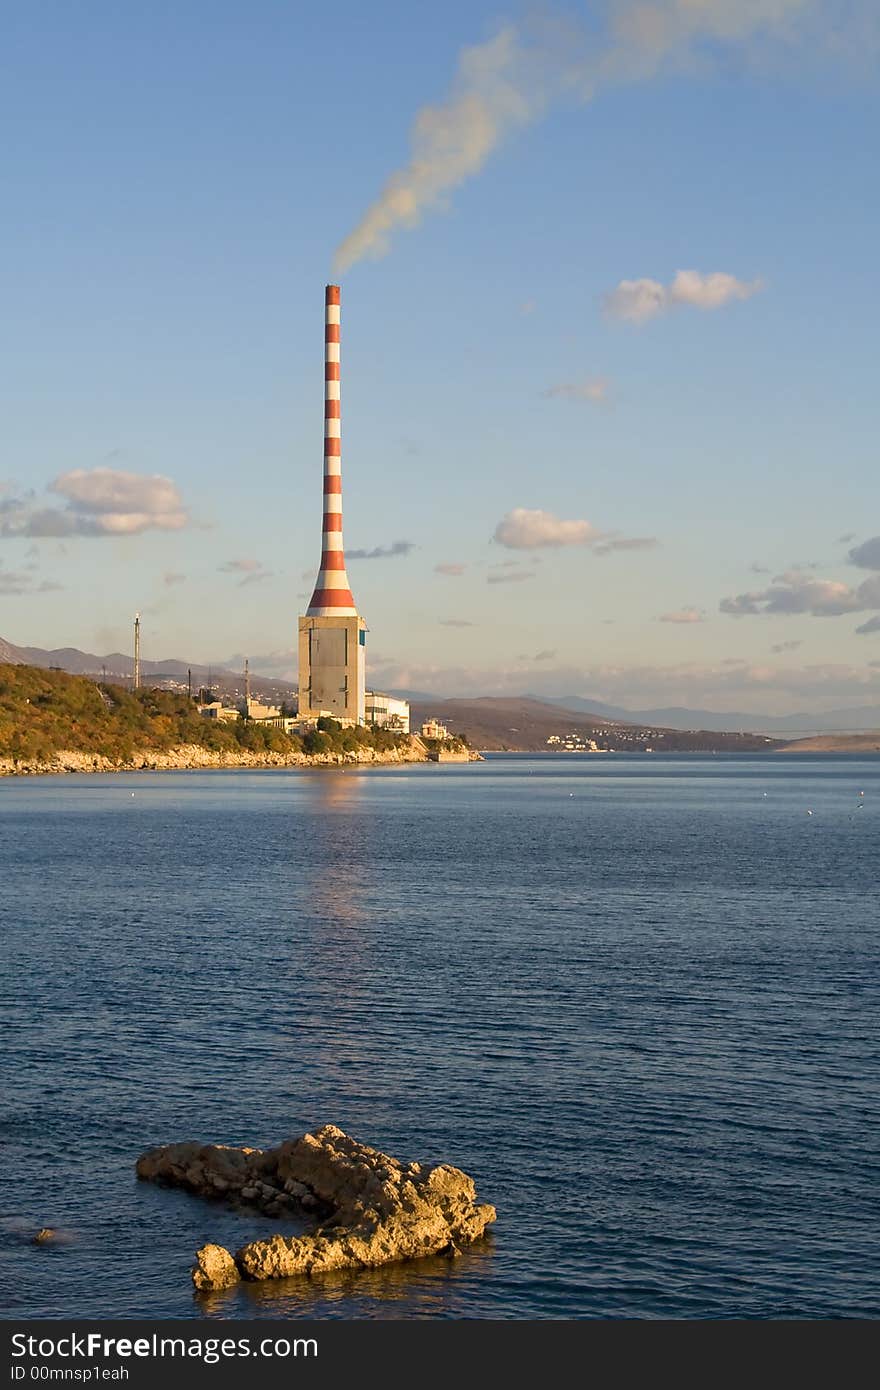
332,597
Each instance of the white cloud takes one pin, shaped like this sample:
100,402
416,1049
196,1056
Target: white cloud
171,577
711,291
450,569
525,529
522,529
455,622
593,389
684,616
636,301
798,592
108,492
98,502
786,646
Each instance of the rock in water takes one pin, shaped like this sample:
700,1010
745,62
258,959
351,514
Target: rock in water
214,1268
372,1208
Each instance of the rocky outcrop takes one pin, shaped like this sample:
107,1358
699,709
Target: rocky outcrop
192,756
214,1269
370,1209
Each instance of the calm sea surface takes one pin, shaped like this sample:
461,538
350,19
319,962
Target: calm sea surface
636,997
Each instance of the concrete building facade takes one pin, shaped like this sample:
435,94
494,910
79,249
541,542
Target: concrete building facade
332,668
386,712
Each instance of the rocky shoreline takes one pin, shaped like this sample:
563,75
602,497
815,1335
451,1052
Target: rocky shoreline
192,757
370,1208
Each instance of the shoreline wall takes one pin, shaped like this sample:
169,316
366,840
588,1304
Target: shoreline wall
192,757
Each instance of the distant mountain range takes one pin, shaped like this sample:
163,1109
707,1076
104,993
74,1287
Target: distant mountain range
119,667
856,719
525,724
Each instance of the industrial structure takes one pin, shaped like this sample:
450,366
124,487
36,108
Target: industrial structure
332,634
136,680
387,712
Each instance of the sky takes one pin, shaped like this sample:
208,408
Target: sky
609,393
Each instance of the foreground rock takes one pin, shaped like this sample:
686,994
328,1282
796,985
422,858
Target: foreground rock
370,1208
214,1268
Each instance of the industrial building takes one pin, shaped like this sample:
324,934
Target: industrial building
332,634
386,712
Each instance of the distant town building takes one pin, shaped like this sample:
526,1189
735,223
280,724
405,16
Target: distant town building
432,728
217,710
253,709
386,712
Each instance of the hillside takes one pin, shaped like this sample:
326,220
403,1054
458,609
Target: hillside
851,719
526,725
170,673
43,713
836,743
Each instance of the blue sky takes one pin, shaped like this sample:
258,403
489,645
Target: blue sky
178,180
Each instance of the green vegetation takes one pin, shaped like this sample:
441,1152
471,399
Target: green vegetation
455,743
331,737
46,712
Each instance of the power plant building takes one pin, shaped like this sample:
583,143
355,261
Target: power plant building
332,634
386,712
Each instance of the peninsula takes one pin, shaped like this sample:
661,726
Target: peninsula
51,722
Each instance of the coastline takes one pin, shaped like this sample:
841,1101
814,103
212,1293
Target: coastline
192,757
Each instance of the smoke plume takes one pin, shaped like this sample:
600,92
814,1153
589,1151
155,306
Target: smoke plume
495,91
511,80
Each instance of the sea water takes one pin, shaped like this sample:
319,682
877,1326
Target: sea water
634,996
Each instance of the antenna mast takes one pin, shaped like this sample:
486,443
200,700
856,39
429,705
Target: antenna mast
137,651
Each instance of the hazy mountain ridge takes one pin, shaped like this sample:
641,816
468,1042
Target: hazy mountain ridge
118,666
857,719
524,724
